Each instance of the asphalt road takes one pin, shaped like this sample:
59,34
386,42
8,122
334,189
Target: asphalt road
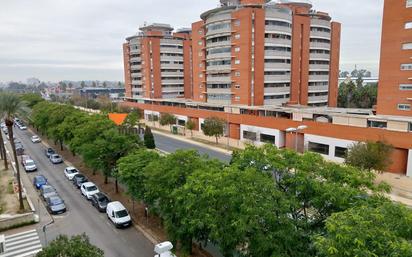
170,145
81,216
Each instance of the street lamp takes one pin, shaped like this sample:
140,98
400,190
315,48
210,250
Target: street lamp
296,130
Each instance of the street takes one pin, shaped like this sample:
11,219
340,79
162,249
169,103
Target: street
81,216
170,145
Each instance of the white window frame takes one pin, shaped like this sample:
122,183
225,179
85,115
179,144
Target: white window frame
408,25
407,46
237,61
405,87
406,66
408,3
404,107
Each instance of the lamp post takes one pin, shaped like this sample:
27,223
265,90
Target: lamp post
296,131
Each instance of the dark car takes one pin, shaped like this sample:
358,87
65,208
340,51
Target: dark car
19,149
49,151
39,181
79,179
100,201
47,191
55,205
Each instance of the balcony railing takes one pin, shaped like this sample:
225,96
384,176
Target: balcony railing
278,53
317,45
319,34
278,41
277,78
315,78
277,66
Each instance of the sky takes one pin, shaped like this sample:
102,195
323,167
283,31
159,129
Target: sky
57,40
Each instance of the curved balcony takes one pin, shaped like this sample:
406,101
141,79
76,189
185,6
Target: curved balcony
278,41
317,45
319,56
277,78
277,66
319,67
320,34
320,23
270,53
277,90
318,78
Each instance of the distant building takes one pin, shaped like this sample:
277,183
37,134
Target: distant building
94,92
395,87
366,81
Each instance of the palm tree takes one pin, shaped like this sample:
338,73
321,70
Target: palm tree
10,106
3,152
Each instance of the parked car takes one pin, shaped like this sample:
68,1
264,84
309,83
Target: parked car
118,214
100,201
47,191
70,172
19,149
79,179
24,158
35,139
3,125
55,205
49,151
88,189
29,165
56,159
22,127
39,181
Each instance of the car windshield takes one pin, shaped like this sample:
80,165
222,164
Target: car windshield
71,171
55,156
121,214
48,190
91,188
40,180
102,198
56,201
50,150
30,163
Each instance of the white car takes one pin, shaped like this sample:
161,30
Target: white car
70,172
88,189
23,127
29,165
118,214
35,139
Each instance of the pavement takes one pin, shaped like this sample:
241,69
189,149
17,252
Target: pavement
81,216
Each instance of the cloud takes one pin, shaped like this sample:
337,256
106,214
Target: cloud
77,39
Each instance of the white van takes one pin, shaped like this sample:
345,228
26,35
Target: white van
118,214
164,249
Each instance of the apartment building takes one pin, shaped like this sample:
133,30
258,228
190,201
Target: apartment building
157,63
395,82
255,53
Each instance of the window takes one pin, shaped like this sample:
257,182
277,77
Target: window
406,66
200,54
200,75
404,107
237,86
237,98
405,86
236,23
249,135
237,36
410,126
200,43
237,61
407,46
377,124
200,32
408,3
318,148
340,152
237,74
408,25
237,49
269,139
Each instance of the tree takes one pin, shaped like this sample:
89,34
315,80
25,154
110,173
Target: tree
31,99
213,127
191,125
3,151
167,119
149,140
10,106
132,119
76,246
82,84
131,171
370,155
382,230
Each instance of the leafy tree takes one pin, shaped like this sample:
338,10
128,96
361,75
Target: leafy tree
167,119
74,120
131,169
10,107
382,230
40,115
76,246
148,137
370,155
82,84
191,125
56,117
213,127
132,119
31,99
353,95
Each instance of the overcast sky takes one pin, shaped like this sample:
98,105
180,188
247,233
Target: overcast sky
82,39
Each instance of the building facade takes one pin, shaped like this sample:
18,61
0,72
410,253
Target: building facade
395,82
157,63
259,53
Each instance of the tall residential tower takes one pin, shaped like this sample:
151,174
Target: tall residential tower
253,52
395,82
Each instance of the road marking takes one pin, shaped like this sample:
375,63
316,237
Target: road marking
22,244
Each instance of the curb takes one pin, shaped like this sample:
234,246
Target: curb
145,233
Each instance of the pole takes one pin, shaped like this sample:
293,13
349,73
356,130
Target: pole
296,141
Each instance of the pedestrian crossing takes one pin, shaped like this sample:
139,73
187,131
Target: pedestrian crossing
24,244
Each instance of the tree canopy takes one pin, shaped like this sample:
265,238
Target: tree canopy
76,246
213,127
370,155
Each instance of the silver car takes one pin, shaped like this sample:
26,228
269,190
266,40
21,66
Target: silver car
47,191
55,205
56,159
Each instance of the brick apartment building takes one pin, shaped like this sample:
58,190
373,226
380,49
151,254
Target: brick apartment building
157,63
267,67
395,82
